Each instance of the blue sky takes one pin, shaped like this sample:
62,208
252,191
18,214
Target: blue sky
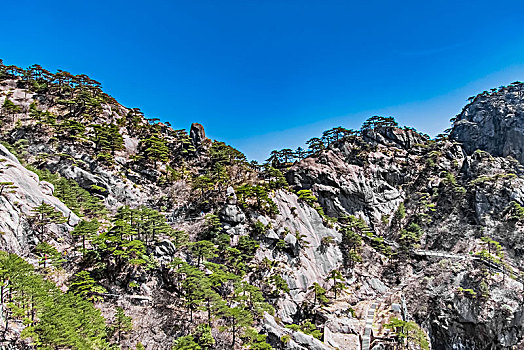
270,74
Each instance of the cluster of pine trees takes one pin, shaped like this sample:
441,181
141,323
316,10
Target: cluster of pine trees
52,319
286,157
81,103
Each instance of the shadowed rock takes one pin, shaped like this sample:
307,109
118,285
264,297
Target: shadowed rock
493,123
197,134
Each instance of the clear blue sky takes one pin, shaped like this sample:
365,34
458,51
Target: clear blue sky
269,74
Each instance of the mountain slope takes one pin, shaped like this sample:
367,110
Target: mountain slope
368,235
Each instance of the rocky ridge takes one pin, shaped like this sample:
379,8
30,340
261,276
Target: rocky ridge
410,193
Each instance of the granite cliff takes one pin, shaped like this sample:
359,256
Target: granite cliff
376,238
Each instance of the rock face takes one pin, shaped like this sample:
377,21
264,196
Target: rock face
197,134
305,261
21,192
350,187
423,209
393,137
472,194
493,122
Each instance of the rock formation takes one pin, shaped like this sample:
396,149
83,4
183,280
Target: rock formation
197,134
371,226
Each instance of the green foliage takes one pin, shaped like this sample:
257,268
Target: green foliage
327,241
179,238
186,343
379,122
255,340
248,246
274,177
71,130
281,245
121,323
54,319
131,232
306,327
86,230
79,200
494,254
450,179
515,211
7,187
410,237
308,197
222,154
281,158
203,336
484,289
316,145
211,292
468,292
286,338
409,332
44,215
337,281
351,244
86,287
319,294
48,253
203,184
154,149
485,179
280,284
259,229
203,250
213,227
107,139
256,197
238,320
401,212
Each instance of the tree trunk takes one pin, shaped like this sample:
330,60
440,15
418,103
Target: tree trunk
209,312
234,335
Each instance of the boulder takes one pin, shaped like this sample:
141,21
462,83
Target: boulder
165,251
197,134
230,213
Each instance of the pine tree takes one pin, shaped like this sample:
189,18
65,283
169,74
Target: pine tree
49,253
86,287
238,320
53,319
46,214
186,343
71,130
319,294
121,323
203,336
337,278
315,145
155,149
86,230
203,250
193,286
7,187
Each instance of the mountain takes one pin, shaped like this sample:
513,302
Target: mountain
119,231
